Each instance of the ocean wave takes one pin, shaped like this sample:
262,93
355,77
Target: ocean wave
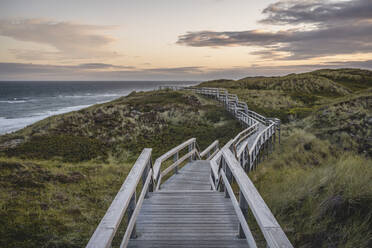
8,125
23,101
15,100
93,95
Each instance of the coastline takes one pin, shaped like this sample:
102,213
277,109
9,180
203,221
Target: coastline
12,124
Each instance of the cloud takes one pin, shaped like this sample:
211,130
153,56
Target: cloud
95,66
41,69
317,11
338,28
243,38
71,40
20,71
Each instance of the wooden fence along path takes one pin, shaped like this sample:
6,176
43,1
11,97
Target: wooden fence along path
185,198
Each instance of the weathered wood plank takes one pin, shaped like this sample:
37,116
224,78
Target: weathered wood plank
249,237
103,235
169,154
209,148
136,211
188,243
192,215
260,210
178,162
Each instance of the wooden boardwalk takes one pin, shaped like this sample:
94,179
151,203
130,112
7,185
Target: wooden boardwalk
186,212
193,176
196,206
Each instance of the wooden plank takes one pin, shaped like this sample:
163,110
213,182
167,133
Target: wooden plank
209,148
260,210
168,154
214,163
248,234
132,220
103,235
198,217
193,176
212,183
188,243
213,154
178,162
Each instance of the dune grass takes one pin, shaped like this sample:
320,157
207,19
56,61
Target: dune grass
58,176
46,203
320,195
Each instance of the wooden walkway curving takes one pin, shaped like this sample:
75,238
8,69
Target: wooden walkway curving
196,206
185,212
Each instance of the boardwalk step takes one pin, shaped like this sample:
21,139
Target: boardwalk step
192,216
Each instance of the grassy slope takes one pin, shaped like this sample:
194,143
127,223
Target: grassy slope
319,181
296,95
58,176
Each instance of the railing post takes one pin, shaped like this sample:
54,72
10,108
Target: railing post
131,207
221,188
175,158
229,178
244,207
151,184
190,149
145,174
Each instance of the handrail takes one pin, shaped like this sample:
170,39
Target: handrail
243,223
211,147
126,197
213,154
273,233
243,135
168,154
132,221
248,117
175,164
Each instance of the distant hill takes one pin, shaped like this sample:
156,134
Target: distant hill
296,95
332,82
318,182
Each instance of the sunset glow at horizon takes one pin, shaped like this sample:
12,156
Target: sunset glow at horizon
180,40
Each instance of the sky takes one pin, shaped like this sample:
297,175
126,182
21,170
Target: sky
180,39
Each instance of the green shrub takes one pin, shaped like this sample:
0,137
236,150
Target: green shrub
68,148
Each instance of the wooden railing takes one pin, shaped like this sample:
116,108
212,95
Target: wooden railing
125,202
210,151
226,166
192,152
228,163
248,155
249,198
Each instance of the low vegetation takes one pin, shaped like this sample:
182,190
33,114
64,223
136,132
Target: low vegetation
58,176
296,96
318,183
321,195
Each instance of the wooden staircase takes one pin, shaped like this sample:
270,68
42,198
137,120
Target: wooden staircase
186,212
196,206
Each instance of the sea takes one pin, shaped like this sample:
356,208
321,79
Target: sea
23,103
